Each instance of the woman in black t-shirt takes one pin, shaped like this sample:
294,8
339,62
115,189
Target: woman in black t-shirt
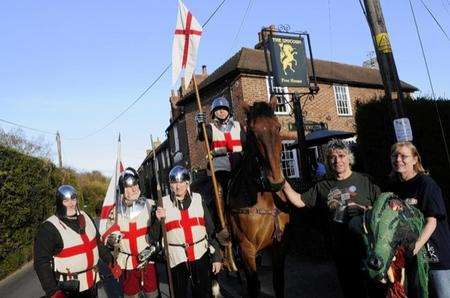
412,183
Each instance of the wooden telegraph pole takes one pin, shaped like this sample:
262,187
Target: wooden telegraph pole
388,70
58,145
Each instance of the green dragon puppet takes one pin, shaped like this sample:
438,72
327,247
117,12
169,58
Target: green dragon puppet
391,230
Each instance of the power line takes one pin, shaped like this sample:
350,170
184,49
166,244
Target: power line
126,109
146,90
435,20
240,26
430,82
27,127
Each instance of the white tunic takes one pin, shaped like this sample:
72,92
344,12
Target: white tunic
79,253
185,230
134,236
223,143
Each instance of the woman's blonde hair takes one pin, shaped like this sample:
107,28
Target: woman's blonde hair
418,167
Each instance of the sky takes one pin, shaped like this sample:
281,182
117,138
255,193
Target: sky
73,66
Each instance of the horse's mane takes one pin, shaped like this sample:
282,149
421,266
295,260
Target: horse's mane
259,109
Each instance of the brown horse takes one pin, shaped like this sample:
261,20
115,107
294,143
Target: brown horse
257,217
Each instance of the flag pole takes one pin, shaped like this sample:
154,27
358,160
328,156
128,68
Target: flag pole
217,199
116,193
163,222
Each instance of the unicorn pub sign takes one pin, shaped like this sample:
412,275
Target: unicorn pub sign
288,59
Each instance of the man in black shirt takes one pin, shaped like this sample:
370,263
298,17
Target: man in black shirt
344,196
67,249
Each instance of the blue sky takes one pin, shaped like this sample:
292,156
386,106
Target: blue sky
74,65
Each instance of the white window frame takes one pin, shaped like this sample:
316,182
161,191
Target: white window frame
167,158
293,160
175,138
341,91
162,159
281,98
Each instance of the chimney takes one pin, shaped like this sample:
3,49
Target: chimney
259,45
204,71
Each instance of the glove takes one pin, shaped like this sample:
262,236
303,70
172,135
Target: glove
148,255
115,270
113,240
58,294
223,237
354,210
200,118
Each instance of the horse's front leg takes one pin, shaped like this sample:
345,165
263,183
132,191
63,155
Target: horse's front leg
278,258
248,253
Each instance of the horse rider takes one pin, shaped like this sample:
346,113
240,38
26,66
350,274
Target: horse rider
226,138
189,232
132,235
67,248
345,195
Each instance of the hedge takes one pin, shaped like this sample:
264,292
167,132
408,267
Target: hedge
27,188
375,137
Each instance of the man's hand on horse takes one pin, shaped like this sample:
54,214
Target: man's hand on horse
160,213
216,267
200,118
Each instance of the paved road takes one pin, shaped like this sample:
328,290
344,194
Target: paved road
303,279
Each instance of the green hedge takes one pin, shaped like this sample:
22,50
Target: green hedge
27,188
375,137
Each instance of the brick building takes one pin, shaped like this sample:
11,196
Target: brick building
244,77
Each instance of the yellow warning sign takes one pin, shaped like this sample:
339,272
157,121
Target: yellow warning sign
383,43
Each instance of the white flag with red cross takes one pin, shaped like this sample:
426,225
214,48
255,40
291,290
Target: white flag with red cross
111,197
185,44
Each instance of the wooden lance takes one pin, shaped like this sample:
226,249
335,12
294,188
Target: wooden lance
163,222
229,259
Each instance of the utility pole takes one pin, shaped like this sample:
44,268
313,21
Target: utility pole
58,144
388,69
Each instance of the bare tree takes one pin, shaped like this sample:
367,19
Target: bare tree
15,138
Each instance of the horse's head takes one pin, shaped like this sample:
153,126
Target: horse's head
264,143
393,224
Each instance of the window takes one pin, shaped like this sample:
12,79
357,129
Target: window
167,158
289,162
342,96
283,107
175,138
163,160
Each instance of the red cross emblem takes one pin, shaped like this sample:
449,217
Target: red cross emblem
187,33
132,235
87,248
228,143
186,223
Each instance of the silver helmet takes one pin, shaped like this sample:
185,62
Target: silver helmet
179,174
128,178
64,192
219,102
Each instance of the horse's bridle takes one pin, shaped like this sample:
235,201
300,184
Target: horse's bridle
263,181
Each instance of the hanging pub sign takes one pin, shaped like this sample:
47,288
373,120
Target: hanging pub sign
288,59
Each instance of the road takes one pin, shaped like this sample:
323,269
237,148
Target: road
303,279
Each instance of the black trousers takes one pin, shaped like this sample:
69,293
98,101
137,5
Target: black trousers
193,279
90,293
